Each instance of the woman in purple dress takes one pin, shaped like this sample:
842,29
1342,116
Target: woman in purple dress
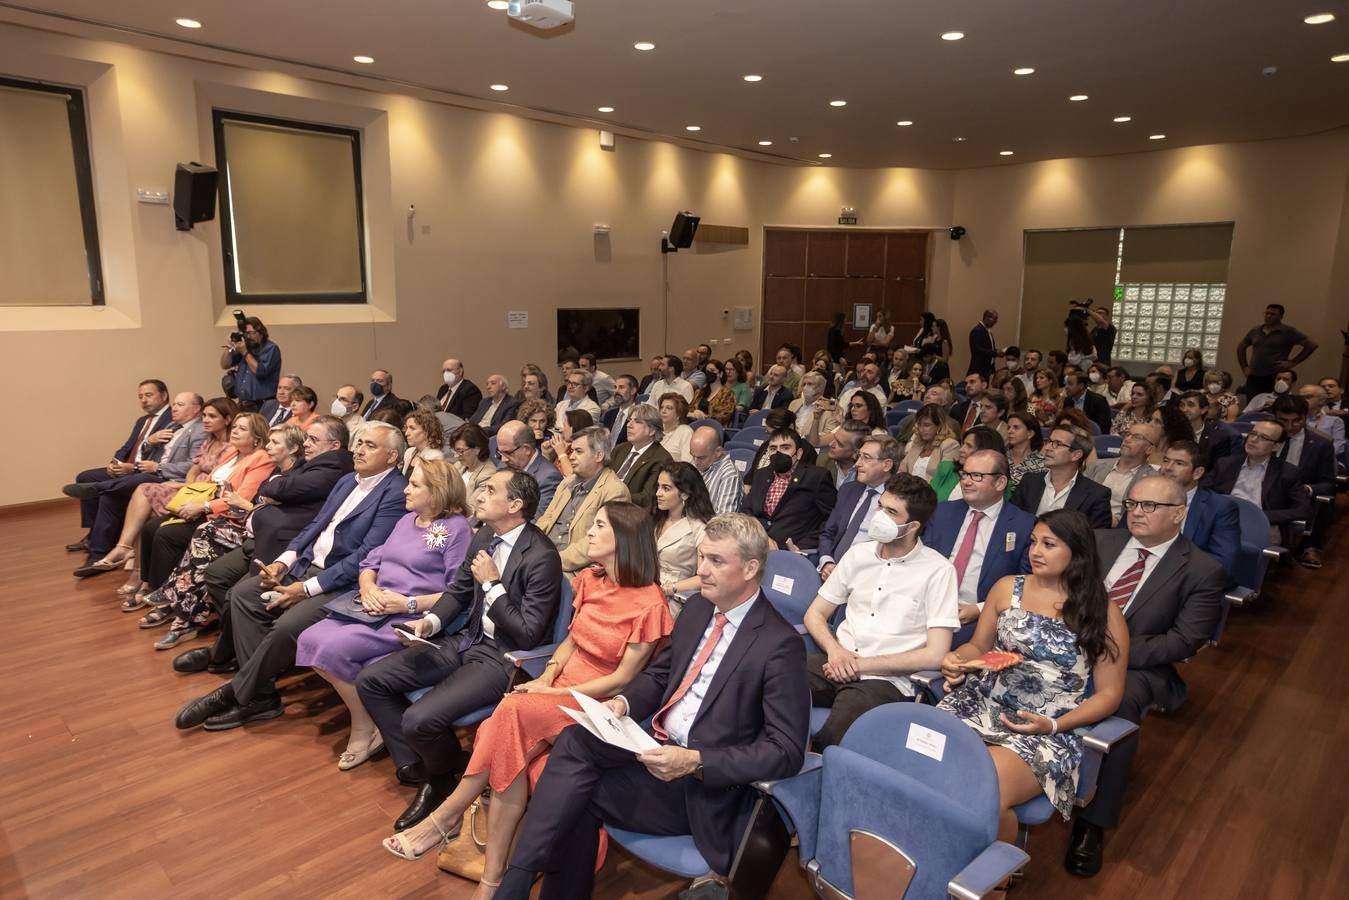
399,579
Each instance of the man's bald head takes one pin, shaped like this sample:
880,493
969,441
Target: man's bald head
705,448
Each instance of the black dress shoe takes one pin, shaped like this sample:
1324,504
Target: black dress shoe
255,710
224,668
198,711
1085,849
411,775
430,795
80,546
193,660
81,489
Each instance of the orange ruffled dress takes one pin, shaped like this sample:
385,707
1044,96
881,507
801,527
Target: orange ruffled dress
607,618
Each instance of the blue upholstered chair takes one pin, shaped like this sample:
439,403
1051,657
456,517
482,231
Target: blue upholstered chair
743,457
1107,445
710,423
750,436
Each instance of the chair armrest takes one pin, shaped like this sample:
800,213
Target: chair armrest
518,657
798,802
1104,735
986,871
1324,498
931,681
1240,596
1275,552
800,628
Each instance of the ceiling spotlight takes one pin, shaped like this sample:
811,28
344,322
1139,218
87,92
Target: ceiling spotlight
1004,152
188,23
1078,98
1024,70
1123,118
497,4
604,109
1320,19
765,143
752,78
952,35
1341,57
904,123
1156,137
644,45
693,128
500,87
826,156
364,60
838,102
958,140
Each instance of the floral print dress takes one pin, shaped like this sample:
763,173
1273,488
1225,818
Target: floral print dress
1051,681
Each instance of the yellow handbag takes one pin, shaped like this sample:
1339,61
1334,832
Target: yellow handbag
197,492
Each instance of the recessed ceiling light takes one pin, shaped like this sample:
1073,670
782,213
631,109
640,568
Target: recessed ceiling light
826,156
1123,118
1078,98
364,60
188,23
693,128
958,140
1024,70
1156,137
500,87
644,45
1342,57
765,143
838,102
1005,152
605,109
1320,18
497,4
952,35
754,78
904,123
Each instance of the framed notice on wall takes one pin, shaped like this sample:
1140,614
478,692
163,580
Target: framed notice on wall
861,316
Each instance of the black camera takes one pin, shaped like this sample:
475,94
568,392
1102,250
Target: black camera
1080,308
237,336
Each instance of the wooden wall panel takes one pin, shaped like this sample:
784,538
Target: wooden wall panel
785,253
825,254
824,297
866,253
784,299
775,334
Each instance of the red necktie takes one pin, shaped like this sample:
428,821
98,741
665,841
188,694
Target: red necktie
137,453
658,720
1123,589
969,417
966,550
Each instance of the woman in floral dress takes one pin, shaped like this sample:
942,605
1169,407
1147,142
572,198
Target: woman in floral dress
1060,620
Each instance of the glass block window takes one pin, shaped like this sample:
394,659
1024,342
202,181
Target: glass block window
1158,322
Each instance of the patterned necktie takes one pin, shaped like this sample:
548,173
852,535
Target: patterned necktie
480,606
628,463
1123,590
658,720
962,560
854,524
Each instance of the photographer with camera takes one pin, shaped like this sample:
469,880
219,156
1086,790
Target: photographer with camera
255,363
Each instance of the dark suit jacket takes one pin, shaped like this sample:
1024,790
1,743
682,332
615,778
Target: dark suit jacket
523,617
466,399
268,409
641,478
981,351
1096,409
1213,524
781,400
1172,615
940,371
999,559
1087,497
844,505
390,401
368,526
1316,465
505,412
1217,440
296,497
644,386
548,477
127,451
1282,497
801,512
752,723
609,417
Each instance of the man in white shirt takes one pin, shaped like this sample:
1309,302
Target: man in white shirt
868,379
600,381
1118,387
1320,420
719,472
670,382
1119,474
577,397
901,612
1060,485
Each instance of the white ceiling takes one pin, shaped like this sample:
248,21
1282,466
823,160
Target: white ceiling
1190,69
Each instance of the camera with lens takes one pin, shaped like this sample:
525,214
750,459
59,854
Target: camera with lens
237,336
1079,308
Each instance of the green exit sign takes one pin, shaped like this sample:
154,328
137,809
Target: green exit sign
847,220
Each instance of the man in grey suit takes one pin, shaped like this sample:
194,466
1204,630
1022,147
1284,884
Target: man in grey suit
1121,473
518,449
1171,594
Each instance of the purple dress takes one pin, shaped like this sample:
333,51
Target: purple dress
413,562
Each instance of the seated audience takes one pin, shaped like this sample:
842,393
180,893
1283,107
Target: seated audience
680,510
1061,485
1283,384
1223,403
655,374
1120,473
1318,419
1046,399
1014,392
670,381
579,497
693,372
815,415
1212,522
635,460
1191,374
615,418
721,401
1159,382
906,383
946,480
600,382
789,357
1313,456
534,386
457,395
303,407
790,498
1140,408
1174,425
510,586
277,410
472,460
900,600
320,564
1076,396
966,411
1334,394
711,384
1170,594
519,451
877,464
675,432
991,412
985,537
868,380
774,393
538,415
383,397
405,574
256,361
496,407
1257,476
862,406
577,398
840,456
933,443
1024,441
718,471
777,418
1060,618
555,448
346,406
422,431
1214,438
1119,388
753,730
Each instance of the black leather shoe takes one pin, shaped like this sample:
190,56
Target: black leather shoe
430,795
80,546
411,775
198,711
224,668
193,660
1085,849
255,710
80,489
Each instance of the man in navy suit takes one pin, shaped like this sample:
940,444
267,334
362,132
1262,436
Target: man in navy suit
985,537
983,346
729,704
518,449
153,396
877,462
1215,439
615,418
1313,455
277,410
774,394
1258,476
321,562
497,406
457,396
1212,522
1092,404
1063,485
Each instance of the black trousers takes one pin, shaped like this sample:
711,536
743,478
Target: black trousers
264,639
587,783
89,505
460,683
114,495
1114,777
846,702
221,576
162,547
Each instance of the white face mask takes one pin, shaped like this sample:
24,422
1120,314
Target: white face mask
1095,377
809,394
338,408
882,529
450,378
1280,387
1214,387
1013,365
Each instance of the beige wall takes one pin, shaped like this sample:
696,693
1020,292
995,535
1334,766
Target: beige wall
504,213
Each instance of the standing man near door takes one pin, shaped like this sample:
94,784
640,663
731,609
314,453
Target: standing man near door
983,346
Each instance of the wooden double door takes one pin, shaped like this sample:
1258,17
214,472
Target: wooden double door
809,275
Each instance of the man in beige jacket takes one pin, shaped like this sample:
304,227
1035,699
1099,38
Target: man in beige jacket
580,496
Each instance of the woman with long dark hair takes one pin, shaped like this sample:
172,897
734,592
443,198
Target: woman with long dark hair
1068,632
1024,440
865,408
1175,427
1081,350
680,509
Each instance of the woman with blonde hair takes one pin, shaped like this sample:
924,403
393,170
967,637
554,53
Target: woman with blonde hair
932,444
425,437
1047,396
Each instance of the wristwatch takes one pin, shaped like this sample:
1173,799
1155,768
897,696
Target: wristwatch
412,605
488,585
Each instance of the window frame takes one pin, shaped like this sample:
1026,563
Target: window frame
232,295
84,175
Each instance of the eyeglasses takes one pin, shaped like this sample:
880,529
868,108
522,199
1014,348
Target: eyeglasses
1255,435
1052,442
1146,506
977,477
869,457
1138,437
506,451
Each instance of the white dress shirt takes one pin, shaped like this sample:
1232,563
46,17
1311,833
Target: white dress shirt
660,388
1128,556
1118,480
870,496
1250,484
1295,444
323,544
486,420
502,553
968,589
1052,499
679,719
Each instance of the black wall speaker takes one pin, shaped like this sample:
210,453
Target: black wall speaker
684,228
193,195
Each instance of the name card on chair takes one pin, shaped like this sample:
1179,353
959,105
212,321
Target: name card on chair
783,584
924,740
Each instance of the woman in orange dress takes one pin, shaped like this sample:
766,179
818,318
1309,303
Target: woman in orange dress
620,616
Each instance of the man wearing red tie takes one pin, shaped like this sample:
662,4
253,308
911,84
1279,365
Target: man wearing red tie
966,412
1171,594
729,704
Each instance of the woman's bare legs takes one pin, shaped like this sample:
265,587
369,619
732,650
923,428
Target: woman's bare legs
443,820
363,730
508,808
1016,784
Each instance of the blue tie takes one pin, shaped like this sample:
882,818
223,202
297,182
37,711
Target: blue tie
855,523
479,606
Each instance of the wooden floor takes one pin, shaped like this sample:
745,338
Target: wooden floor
1242,793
